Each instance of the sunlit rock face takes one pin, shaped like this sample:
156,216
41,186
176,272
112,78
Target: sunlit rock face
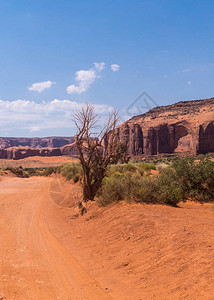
206,138
184,127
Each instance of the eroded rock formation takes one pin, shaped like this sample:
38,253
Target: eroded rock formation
23,152
47,142
69,150
184,127
206,138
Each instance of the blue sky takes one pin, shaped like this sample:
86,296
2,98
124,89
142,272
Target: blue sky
48,50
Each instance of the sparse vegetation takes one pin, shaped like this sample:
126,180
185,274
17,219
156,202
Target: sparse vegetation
196,178
71,171
18,171
186,178
49,171
178,179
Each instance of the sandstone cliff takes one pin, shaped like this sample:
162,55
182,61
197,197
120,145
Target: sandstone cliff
47,142
184,127
23,152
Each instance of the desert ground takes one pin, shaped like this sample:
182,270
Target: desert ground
37,162
123,251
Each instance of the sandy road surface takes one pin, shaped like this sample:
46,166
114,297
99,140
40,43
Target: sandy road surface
33,262
126,251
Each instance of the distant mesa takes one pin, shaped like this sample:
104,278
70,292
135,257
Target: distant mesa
47,142
19,148
186,127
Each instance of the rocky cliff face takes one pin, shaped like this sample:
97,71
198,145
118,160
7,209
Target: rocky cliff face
184,127
69,150
48,142
23,152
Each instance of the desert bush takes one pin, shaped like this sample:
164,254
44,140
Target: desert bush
49,171
196,178
70,170
30,171
112,190
19,172
76,178
137,168
122,168
145,168
168,188
119,186
186,178
147,193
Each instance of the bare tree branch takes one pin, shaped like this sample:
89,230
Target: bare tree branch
96,150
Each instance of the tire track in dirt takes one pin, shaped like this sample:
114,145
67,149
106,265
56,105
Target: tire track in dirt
35,265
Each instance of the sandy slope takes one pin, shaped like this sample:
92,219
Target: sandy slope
125,251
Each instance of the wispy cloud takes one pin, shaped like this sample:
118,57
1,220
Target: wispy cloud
85,78
185,70
41,86
99,66
189,82
115,67
32,116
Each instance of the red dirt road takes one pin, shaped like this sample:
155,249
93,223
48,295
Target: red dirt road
34,264
123,251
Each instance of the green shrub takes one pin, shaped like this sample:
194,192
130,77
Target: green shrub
148,191
140,168
127,186
19,172
30,171
70,170
145,168
169,189
112,190
196,178
76,178
49,171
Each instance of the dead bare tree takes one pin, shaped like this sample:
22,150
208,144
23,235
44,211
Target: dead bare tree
96,149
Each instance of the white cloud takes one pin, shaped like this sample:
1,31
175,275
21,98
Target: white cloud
189,82
115,67
85,78
99,66
29,116
41,86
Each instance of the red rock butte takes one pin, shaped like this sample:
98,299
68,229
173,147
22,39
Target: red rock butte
186,127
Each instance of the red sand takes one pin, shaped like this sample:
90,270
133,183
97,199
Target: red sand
124,251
